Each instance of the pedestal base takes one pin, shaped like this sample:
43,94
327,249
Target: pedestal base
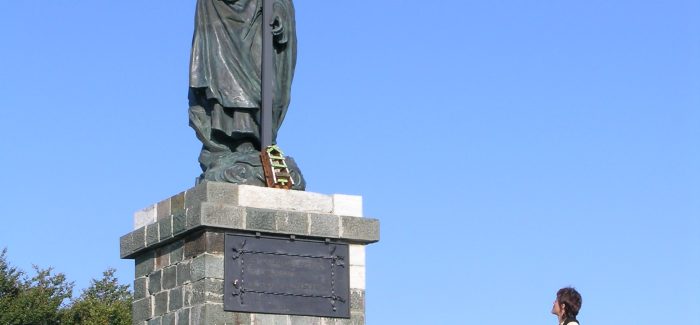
178,247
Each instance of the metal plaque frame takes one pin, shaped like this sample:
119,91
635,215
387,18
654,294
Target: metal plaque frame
285,275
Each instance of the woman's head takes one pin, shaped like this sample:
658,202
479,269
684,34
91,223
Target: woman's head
567,304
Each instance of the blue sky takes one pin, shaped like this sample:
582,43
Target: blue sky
509,148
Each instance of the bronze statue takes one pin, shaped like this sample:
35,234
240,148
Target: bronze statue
225,85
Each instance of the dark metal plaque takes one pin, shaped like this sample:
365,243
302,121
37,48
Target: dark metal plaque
284,276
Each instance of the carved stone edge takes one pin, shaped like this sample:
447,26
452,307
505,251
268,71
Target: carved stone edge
353,230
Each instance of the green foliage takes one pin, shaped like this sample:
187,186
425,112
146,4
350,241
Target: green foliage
36,300
104,302
40,300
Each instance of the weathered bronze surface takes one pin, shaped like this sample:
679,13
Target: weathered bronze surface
225,85
284,276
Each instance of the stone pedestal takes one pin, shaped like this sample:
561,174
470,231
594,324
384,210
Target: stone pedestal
178,247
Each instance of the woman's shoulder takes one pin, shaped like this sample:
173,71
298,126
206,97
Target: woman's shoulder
573,322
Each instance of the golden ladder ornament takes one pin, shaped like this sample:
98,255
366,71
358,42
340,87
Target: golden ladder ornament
275,167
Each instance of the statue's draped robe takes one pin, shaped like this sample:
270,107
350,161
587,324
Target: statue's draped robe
225,91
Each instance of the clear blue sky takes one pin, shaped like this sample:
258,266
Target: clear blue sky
509,147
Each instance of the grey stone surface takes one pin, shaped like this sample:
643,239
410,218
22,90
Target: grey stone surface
169,277
357,318
213,192
132,244
140,288
188,289
193,217
306,320
202,215
179,223
359,228
204,241
145,264
141,309
154,282
341,321
206,291
357,300
160,303
139,238
176,299
152,234
126,245
324,225
296,223
183,316
163,209
261,220
162,257
184,273
262,319
238,318
165,228
207,266
177,204
169,319
215,314
286,200
154,321
220,215
221,193
176,252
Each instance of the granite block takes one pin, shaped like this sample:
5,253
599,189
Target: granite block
296,223
357,300
169,319
141,310
363,229
263,319
139,238
154,282
205,291
177,204
358,318
324,225
160,303
176,299
140,288
162,257
163,209
126,245
165,228
154,321
184,273
195,244
261,220
152,234
145,264
306,320
220,215
207,266
179,223
279,199
183,316
177,252
169,279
